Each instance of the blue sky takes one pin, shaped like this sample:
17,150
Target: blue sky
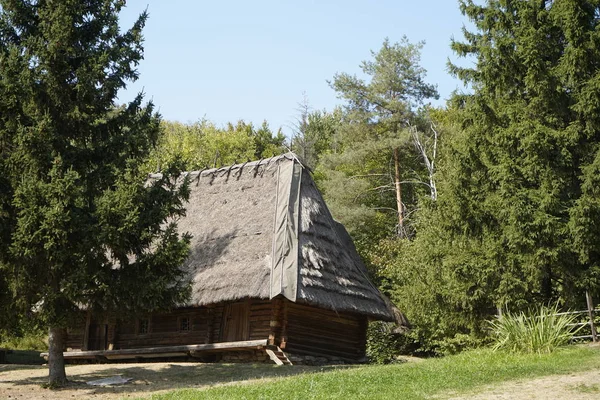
253,60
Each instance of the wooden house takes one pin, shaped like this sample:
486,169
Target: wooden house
274,277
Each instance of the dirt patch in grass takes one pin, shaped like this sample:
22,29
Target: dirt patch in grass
575,386
25,381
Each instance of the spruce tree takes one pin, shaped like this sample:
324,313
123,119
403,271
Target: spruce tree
80,228
533,136
515,223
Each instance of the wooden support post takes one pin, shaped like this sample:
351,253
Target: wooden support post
590,306
111,334
275,323
284,323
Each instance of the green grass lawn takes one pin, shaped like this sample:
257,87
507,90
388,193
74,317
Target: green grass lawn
434,377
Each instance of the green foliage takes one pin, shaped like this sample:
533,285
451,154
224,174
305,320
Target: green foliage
383,344
447,315
517,175
315,134
24,332
203,145
397,83
29,341
380,115
531,138
540,330
266,142
79,224
472,371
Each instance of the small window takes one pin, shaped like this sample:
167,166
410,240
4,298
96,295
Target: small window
143,326
184,324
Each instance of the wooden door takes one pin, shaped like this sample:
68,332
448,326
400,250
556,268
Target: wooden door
236,322
97,339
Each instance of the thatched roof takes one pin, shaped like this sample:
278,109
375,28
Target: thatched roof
262,229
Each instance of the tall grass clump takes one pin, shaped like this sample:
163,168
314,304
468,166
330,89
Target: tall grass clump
539,330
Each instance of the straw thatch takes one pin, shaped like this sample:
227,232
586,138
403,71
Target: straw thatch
231,215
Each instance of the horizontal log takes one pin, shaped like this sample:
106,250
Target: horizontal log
329,319
260,313
326,345
324,326
260,322
153,355
307,350
259,335
260,330
262,306
297,308
240,345
308,337
325,329
184,335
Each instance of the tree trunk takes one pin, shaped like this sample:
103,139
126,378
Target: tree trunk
546,285
399,195
56,362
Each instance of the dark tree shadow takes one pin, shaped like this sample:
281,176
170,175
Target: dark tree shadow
151,377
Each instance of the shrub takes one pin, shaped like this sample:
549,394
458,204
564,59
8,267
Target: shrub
539,330
383,344
29,341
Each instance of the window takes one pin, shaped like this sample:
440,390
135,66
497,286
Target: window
184,324
143,326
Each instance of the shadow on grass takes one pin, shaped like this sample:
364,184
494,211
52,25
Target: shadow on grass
168,376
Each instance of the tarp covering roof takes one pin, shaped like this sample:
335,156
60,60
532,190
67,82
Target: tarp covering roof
262,229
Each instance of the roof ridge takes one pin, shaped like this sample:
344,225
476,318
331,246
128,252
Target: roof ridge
290,156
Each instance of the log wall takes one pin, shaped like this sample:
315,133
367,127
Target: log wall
205,326
164,329
297,329
323,333
75,337
260,318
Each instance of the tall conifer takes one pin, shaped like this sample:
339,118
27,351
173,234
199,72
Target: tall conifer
79,228
516,221
533,133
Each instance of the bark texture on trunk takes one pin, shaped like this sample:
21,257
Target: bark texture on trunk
398,194
56,362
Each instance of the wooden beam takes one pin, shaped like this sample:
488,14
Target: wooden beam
284,324
241,345
275,325
142,356
274,357
590,305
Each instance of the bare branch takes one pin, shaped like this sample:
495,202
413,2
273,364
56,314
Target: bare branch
429,162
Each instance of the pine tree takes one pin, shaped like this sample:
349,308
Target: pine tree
369,174
79,225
